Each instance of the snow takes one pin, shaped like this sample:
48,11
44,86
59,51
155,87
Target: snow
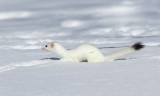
14,15
27,70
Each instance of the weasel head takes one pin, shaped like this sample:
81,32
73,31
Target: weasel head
50,47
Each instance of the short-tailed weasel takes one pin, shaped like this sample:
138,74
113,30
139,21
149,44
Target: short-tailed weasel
89,53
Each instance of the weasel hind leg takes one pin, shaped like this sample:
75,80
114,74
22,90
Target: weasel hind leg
96,58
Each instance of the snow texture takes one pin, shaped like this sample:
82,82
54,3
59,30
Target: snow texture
110,25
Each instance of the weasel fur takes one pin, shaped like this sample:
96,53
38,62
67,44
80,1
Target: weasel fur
89,53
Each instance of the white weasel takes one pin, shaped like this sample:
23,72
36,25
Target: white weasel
88,52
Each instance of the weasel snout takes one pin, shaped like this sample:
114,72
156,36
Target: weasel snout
43,49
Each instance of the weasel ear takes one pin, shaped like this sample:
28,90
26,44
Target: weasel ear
52,45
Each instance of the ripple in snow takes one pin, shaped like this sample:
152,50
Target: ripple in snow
14,15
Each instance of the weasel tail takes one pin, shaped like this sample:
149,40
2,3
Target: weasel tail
120,53
89,53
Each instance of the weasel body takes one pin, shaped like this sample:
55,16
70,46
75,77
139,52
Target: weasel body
89,53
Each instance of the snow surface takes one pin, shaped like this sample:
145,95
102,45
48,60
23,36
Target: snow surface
27,25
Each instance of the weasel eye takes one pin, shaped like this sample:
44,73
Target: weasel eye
46,46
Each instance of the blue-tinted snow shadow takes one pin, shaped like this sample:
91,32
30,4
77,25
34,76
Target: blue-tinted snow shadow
53,58
120,59
145,36
112,47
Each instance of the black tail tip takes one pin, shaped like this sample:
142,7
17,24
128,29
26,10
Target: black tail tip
138,46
